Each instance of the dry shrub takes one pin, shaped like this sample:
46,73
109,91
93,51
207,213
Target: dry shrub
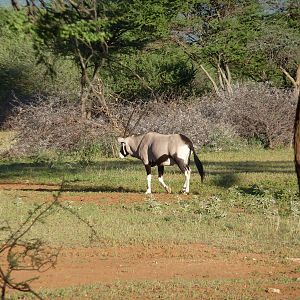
254,111
262,112
53,124
197,119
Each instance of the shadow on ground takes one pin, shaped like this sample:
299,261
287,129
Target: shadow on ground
214,168
223,174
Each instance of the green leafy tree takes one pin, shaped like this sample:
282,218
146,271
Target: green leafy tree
21,77
162,70
245,40
92,32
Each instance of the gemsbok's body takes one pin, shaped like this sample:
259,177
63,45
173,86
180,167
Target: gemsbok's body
155,149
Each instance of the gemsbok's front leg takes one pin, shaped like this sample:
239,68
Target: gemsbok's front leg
161,179
148,170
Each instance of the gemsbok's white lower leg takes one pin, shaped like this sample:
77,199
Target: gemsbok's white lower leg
148,184
186,186
161,180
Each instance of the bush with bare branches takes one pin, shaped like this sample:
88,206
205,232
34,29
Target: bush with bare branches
261,112
253,111
20,251
53,124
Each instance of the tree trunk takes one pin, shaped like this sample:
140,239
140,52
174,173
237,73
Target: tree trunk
295,82
85,94
84,111
297,141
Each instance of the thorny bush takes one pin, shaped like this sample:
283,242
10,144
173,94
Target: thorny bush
254,112
53,124
263,113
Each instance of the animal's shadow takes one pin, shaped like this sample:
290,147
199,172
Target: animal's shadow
223,174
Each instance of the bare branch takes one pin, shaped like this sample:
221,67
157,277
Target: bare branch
286,73
211,79
15,4
224,77
195,59
295,82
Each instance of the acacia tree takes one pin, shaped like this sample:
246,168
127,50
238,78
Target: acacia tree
253,39
91,33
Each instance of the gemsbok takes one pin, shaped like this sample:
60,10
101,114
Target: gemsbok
155,149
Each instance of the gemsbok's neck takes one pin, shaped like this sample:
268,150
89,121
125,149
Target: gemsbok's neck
134,142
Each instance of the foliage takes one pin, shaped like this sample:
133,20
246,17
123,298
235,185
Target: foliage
152,71
248,38
21,77
119,25
252,40
133,45
91,32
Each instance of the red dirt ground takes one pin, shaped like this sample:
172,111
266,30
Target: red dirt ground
107,198
195,261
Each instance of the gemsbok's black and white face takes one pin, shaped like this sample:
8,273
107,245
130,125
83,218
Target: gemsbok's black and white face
123,150
155,149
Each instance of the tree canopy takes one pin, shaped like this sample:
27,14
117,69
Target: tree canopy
92,32
254,39
216,41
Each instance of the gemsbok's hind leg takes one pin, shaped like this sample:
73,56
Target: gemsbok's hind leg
186,186
186,170
161,179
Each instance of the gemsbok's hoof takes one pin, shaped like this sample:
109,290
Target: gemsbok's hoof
184,192
168,189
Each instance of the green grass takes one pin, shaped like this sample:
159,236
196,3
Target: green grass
261,227
269,169
248,202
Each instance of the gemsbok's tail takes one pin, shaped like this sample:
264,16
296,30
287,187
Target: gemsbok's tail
199,166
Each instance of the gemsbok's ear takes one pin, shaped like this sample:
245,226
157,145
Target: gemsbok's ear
121,140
